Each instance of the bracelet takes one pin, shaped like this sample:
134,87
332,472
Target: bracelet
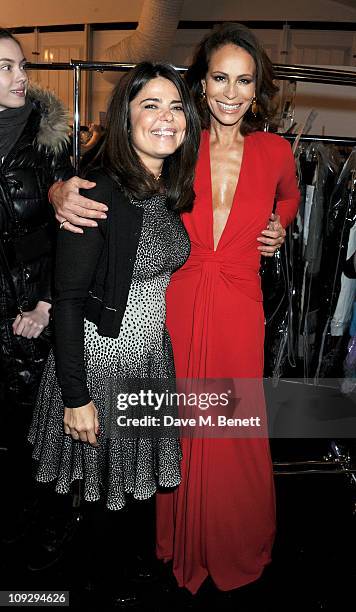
52,189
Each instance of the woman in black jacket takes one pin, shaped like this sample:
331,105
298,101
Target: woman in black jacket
33,153
109,309
110,297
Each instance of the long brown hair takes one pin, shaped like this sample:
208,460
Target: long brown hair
120,159
236,34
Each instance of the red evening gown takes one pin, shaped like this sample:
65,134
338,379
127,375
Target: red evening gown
220,521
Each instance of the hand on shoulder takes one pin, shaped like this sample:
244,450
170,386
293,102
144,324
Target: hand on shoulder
74,210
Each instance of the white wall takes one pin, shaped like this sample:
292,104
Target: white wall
39,12
335,107
100,88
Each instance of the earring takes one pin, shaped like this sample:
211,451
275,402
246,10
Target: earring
254,107
203,95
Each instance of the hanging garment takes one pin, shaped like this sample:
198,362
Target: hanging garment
343,312
293,314
340,219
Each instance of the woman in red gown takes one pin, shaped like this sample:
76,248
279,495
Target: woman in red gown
220,521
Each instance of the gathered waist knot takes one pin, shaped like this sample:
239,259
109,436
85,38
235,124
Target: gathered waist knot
242,276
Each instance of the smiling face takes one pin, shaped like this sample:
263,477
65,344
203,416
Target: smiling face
157,122
229,84
13,78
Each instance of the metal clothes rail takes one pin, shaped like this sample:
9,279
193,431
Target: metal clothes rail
309,74
338,140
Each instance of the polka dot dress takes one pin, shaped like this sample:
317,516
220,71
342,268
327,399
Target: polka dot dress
119,466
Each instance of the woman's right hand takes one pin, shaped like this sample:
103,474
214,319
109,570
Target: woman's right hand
73,209
32,323
82,423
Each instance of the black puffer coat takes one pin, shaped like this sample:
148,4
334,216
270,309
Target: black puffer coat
27,233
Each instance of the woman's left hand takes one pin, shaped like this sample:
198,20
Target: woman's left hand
32,323
273,237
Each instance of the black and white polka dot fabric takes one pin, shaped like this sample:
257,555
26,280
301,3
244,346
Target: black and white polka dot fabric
143,350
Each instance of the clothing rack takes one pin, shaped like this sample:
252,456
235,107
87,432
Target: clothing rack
290,72
337,140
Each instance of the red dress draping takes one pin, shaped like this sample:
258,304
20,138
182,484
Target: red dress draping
221,520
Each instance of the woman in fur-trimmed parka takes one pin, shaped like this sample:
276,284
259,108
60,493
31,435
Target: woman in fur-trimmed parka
33,154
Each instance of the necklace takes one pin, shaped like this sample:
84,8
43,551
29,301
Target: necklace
158,177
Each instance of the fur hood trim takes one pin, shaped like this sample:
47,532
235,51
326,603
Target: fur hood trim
54,123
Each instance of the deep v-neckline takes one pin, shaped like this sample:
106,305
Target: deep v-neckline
238,182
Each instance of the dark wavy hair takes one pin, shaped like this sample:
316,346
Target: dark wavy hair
4,33
236,34
121,161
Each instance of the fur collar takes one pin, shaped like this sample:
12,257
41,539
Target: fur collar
53,126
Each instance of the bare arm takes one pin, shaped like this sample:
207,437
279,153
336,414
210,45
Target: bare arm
73,210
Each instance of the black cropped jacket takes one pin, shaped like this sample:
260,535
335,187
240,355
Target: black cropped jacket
92,280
